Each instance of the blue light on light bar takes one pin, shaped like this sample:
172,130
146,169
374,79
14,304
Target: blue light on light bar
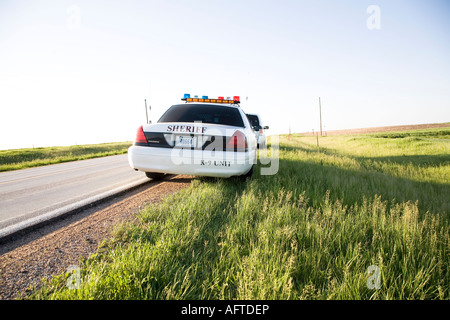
186,95
204,97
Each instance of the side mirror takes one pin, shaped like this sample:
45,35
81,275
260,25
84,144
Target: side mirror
266,127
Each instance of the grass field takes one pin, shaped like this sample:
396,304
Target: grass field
33,157
311,231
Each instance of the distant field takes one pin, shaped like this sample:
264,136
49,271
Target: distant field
312,231
383,129
26,158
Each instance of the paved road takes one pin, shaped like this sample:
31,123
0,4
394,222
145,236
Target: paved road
32,194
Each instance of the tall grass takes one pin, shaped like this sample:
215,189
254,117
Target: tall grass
309,232
15,159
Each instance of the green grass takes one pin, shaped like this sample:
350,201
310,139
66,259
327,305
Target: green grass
15,159
309,232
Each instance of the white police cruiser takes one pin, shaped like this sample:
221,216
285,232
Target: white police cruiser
201,137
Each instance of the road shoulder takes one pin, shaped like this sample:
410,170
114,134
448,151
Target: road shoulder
52,249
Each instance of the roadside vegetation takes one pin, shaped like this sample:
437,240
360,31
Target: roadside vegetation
15,159
309,232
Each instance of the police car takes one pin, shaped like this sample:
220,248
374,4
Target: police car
258,129
200,137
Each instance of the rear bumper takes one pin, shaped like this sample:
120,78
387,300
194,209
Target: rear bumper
261,140
191,162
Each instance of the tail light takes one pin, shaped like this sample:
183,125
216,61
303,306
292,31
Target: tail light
237,142
140,136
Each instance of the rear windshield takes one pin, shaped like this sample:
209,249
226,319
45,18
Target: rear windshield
205,113
254,121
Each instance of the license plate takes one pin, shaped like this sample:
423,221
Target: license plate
186,142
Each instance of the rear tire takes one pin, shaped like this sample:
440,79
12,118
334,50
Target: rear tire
155,175
248,175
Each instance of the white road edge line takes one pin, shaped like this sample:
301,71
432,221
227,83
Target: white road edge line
58,212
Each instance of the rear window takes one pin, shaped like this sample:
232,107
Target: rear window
205,113
253,119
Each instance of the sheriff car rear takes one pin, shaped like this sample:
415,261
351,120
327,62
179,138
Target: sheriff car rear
201,137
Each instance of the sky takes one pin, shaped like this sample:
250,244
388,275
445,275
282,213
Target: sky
78,71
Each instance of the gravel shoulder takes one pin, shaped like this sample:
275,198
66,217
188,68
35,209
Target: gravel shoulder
50,250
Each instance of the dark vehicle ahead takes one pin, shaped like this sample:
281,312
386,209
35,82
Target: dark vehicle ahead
258,129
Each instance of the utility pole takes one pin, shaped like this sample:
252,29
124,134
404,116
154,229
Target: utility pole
146,112
320,113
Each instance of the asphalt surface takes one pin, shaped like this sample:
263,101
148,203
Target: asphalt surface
34,195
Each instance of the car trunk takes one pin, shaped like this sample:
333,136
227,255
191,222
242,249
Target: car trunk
197,136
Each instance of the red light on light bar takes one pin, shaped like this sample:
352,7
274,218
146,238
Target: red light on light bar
220,98
236,98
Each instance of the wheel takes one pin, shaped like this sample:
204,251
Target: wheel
248,175
155,175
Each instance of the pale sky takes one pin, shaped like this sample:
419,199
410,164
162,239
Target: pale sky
78,71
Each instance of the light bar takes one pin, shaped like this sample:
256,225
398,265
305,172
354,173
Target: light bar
187,98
